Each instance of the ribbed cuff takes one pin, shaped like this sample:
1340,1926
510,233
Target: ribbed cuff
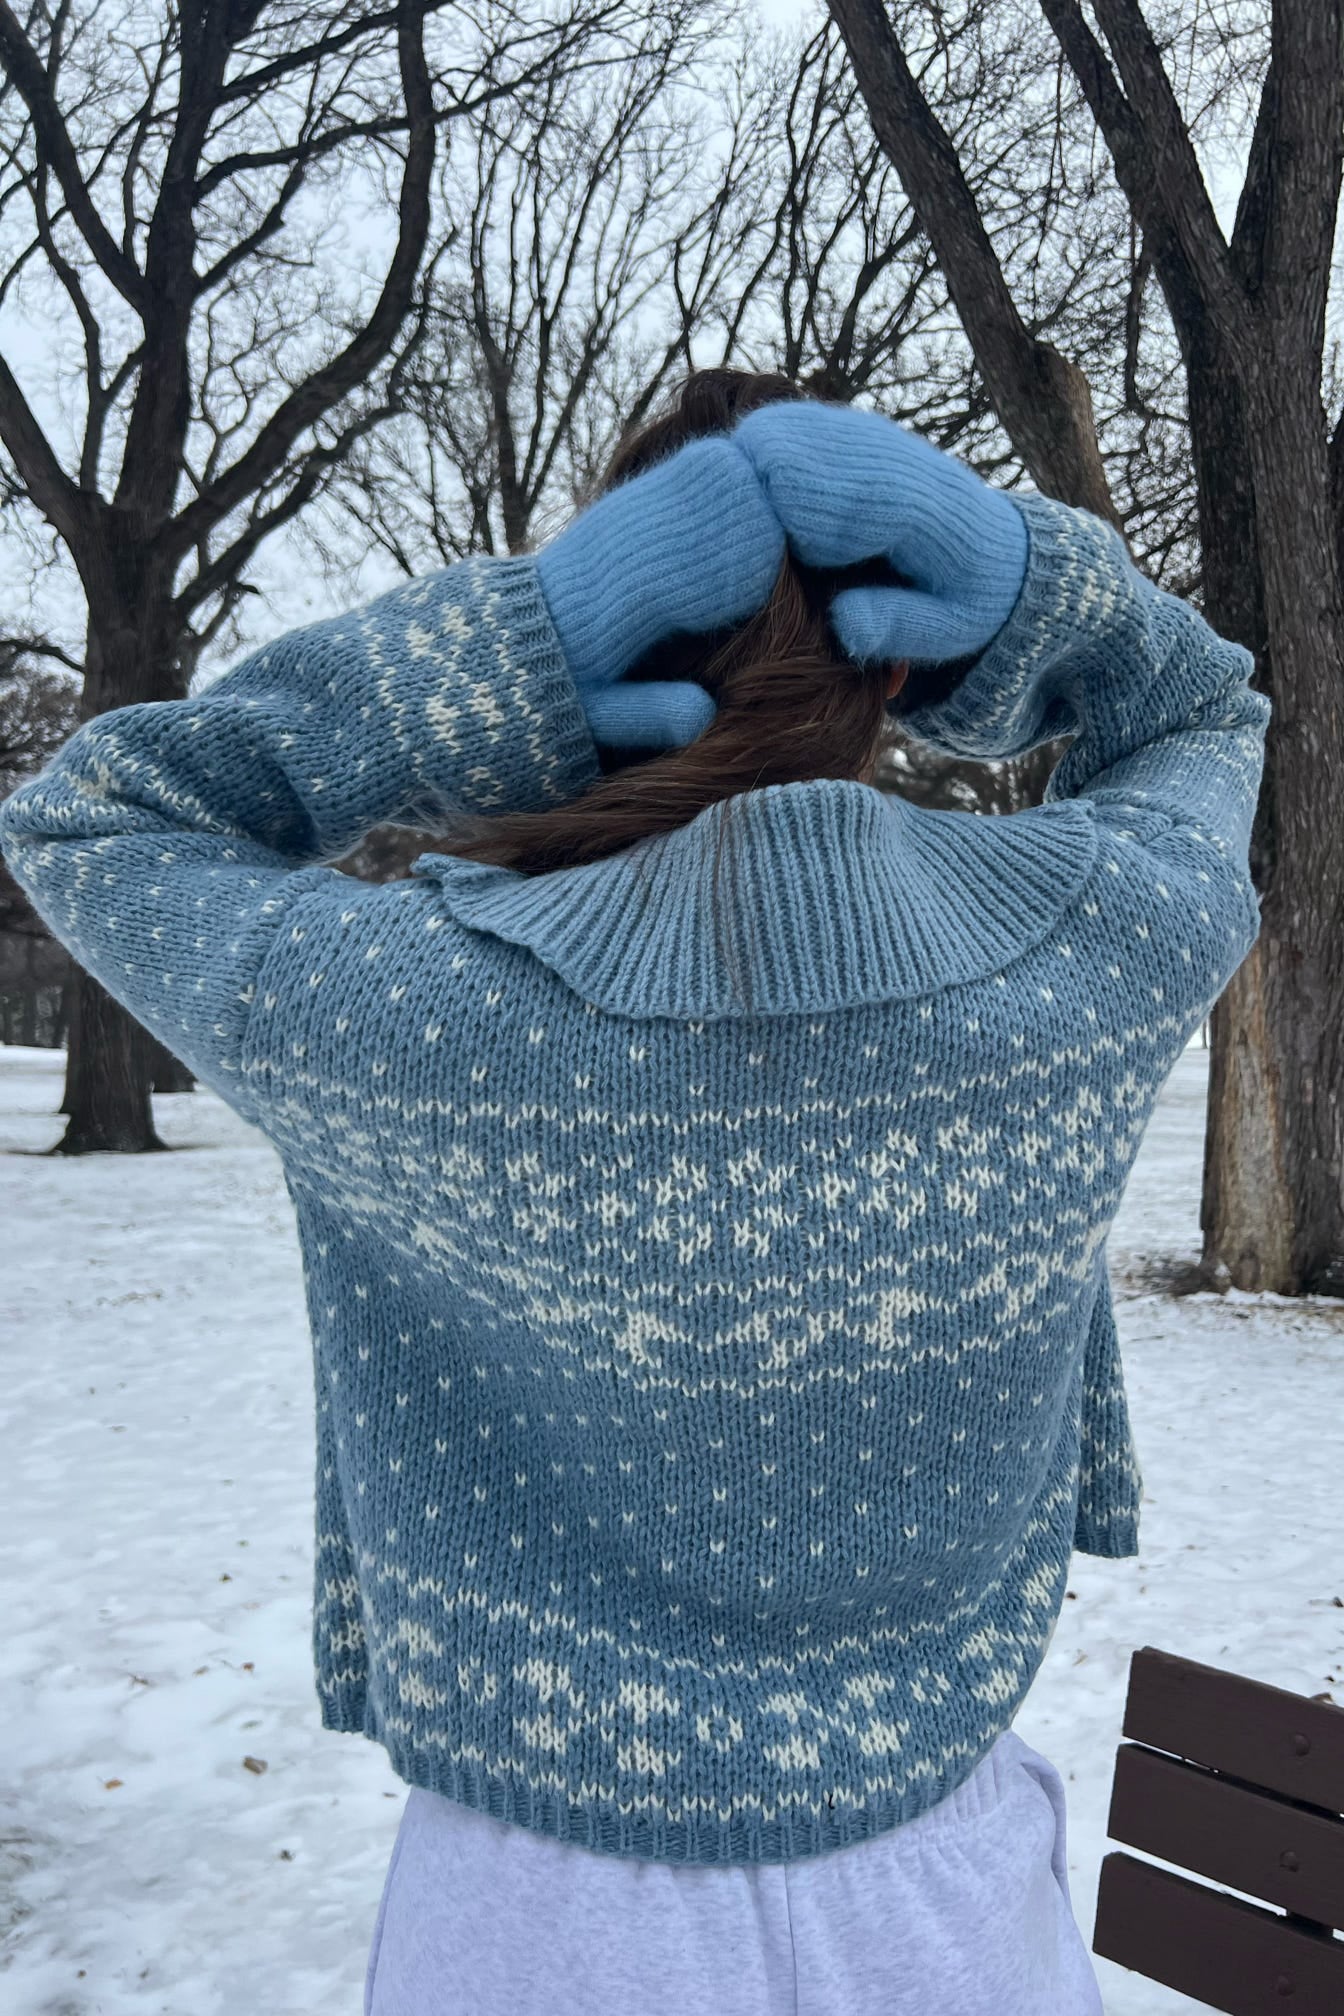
557,745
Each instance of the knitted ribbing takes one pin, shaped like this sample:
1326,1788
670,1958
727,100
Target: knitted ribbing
708,1403
930,898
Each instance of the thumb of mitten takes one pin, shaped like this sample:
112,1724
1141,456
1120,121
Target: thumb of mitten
648,713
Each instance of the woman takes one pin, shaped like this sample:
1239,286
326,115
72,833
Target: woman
714,1356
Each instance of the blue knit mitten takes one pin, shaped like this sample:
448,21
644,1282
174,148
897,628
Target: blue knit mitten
689,545
850,486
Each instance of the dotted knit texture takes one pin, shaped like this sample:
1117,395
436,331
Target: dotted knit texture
715,1364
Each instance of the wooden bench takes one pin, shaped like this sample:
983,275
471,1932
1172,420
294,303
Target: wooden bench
1243,1784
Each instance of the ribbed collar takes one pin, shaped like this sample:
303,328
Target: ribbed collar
832,894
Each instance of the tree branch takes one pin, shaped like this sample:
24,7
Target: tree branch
29,644
254,239
333,381
88,322
51,490
160,413
1040,396
1171,164
251,83
1140,270
217,576
1202,334
1285,226
303,152
24,69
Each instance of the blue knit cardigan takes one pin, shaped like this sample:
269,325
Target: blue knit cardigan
714,1361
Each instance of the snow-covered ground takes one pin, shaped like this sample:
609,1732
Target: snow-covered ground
155,1499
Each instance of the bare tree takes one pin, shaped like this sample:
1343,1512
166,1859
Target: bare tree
708,204
571,207
172,176
1248,312
39,705
39,709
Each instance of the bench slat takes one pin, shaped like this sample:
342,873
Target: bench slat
1265,1735
1264,1846
1230,1955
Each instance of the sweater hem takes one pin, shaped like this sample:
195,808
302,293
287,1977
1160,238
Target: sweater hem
695,1840
1114,1538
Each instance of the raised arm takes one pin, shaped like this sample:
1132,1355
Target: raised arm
1061,633
165,843
1165,721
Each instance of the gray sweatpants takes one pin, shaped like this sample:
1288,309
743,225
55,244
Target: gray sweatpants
965,1910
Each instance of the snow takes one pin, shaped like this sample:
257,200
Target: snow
155,1501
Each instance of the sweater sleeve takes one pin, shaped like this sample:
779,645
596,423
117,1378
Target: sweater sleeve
164,844
1168,734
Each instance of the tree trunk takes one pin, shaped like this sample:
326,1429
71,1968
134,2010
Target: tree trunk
1246,1211
167,1073
106,1077
1274,1169
70,1017
1041,396
1273,1211
111,1060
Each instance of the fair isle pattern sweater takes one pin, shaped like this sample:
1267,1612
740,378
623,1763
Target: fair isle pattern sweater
708,1401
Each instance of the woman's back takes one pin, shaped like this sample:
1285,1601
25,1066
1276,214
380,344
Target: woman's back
709,1402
